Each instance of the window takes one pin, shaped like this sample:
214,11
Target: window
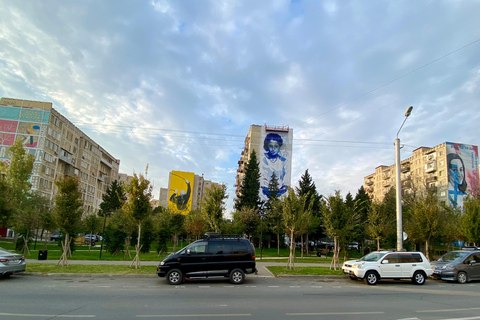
442,173
219,248
198,248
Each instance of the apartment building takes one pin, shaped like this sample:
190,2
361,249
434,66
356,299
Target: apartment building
185,192
60,149
273,146
449,169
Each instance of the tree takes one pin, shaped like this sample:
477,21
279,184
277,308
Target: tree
68,211
176,226
92,225
247,220
250,186
112,200
213,206
195,224
308,189
340,221
138,208
362,203
470,221
273,212
378,222
294,215
14,181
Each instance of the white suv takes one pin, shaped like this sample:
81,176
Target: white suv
389,265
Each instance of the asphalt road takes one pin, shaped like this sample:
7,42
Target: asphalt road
308,297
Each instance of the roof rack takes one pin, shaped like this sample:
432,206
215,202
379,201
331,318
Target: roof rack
471,248
216,235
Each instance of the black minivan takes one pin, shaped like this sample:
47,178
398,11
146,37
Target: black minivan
215,256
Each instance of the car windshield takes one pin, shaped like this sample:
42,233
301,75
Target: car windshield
452,256
374,256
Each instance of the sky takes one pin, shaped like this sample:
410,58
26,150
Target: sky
175,85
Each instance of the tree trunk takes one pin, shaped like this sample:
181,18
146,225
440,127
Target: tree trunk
378,243
278,244
291,258
301,246
66,249
308,244
426,250
136,261
127,246
336,252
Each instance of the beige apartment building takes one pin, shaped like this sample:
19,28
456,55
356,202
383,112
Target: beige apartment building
60,149
190,200
273,146
449,169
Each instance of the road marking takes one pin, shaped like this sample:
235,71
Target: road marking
195,315
103,286
316,287
333,313
228,286
250,286
295,287
49,315
204,286
452,310
274,286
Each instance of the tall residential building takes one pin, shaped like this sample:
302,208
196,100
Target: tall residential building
449,169
273,146
185,192
60,149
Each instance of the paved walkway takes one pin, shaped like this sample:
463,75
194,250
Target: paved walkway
261,264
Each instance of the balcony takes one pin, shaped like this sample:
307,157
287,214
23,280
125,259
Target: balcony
369,189
431,166
386,175
431,179
405,168
369,182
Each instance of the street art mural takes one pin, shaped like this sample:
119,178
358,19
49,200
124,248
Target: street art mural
27,123
462,164
180,194
276,157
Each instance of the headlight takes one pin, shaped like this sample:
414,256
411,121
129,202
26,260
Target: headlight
355,266
162,263
449,267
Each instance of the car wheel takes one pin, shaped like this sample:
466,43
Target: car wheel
175,276
371,278
419,277
237,276
462,277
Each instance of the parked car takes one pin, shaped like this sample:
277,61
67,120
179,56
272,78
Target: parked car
459,265
94,238
354,246
56,237
214,256
11,263
389,265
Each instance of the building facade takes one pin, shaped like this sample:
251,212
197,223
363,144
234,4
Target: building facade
449,169
273,146
185,192
60,149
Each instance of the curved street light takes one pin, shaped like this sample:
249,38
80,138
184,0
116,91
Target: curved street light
399,185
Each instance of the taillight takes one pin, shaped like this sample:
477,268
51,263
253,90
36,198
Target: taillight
22,259
3,260
253,257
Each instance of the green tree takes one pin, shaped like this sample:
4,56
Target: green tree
138,208
470,221
250,186
92,225
68,211
273,211
195,224
213,206
362,203
177,222
378,222
247,220
294,215
308,189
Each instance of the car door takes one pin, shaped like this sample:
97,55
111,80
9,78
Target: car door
473,266
390,266
194,260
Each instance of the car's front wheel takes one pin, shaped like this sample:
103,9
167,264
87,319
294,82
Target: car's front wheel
419,277
175,276
462,277
237,276
371,278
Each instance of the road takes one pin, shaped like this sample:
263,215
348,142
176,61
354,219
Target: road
64,297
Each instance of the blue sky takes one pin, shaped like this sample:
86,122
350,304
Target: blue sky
177,84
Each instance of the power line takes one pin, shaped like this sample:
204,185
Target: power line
389,82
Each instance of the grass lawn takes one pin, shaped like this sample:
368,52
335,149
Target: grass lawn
78,268
314,271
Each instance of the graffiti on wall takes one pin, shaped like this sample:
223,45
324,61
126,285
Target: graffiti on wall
462,164
275,160
180,194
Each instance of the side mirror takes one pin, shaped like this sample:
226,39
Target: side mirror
384,261
188,251
473,262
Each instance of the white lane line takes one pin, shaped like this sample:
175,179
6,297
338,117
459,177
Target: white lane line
103,286
48,315
294,286
194,315
316,287
333,313
274,286
451,310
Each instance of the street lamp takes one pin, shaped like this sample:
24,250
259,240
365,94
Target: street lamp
399,185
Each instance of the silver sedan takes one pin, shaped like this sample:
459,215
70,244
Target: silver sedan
11,263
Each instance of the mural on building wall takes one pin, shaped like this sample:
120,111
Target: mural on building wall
462,164
26,123
276,158
180,194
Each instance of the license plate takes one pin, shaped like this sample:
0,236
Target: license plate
12,261
436,272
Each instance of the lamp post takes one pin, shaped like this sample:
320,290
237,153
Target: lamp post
399,185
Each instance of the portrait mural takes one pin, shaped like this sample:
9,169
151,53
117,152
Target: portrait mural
180,193
462,166
275,159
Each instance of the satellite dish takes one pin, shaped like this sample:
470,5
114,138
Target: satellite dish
405,236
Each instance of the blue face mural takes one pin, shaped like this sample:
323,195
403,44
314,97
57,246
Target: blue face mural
275,161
